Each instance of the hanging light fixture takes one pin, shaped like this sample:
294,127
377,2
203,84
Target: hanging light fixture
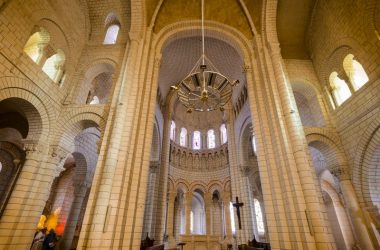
204,88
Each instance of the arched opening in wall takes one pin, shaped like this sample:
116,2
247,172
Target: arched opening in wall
172,130
370,180
64,210
223,133
217,223
198,220
183,137
326,156
112,26
97,84
54,66
179,214
19,120
211,138
339,89
355,72
36,44
197,140
152,194
308,105
61,197
248,159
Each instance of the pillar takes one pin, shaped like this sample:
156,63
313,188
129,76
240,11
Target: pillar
226,196
170,219
28,198
188,204
297,155
352,204
208,212
80,190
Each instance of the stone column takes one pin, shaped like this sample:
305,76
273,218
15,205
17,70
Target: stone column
226,196
27,201
340,213
188,203
298,157
170,220
352,204
208,212
163,176
80,190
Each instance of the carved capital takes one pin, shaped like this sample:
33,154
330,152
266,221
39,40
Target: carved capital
247,67
171,197
157,62
245,169
340,172
58,153
274,48
153,166
80,189
31,147
226,196
58,170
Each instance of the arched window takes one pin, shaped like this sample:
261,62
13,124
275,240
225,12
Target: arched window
355,72
253,141
223,133
112,25
36,43
211,138
339,87
111,34
172,130
259,217
191,222
197,140
53,66
182,138
232,218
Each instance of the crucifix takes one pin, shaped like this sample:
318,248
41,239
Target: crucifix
238,205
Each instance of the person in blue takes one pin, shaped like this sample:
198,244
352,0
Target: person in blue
50,240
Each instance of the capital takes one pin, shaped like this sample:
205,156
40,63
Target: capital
157,61
57,153
340,172
274,47
31,147
245,169
153,166
247,67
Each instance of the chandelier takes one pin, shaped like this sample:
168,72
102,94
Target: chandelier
204,88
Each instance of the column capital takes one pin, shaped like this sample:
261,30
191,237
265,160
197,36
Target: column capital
157,61
244,169
208,198
247,67
188,197
80,189
274,47
32,146
172,196
153,166
57,152
226,196
340,172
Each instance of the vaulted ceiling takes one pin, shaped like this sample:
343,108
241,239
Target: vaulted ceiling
293,19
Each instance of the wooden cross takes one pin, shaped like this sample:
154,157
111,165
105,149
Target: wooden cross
238,205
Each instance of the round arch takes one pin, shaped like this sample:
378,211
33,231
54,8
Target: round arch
36,111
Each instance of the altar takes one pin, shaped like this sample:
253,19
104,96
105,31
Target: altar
201,242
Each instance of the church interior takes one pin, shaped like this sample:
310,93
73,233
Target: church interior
190,124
